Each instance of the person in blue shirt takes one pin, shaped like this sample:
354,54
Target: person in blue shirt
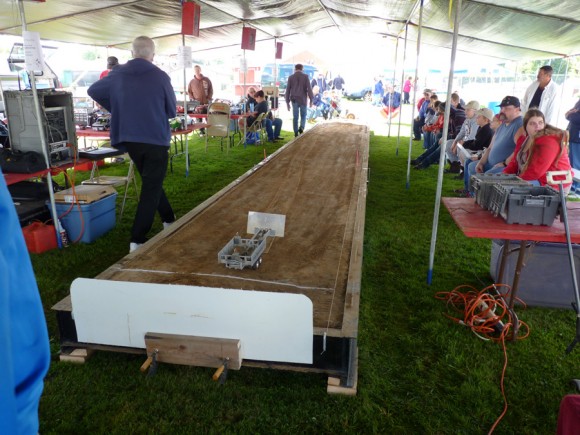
378,92
141,100
23,334
391,103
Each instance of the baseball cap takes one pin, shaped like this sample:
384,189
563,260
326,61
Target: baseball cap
472,105
112,61
510,101
486,113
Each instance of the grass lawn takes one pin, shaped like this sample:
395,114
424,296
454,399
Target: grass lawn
418,371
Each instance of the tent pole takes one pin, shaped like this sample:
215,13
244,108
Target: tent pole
515,78
393,91
185,98
414,95
443,143
402,79
43,142
562,89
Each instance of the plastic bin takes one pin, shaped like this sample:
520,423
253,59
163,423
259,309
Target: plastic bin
482,186
546,278
39,237
529,205
93,220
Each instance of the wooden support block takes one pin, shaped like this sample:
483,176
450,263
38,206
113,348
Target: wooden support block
78,356
334,387
194,351
340,386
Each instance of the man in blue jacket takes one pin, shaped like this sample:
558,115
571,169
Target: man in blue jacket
141,100
23,335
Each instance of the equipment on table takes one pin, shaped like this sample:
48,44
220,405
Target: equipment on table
102,123
241,253
57,121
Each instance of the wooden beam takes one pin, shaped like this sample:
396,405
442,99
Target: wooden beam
194,351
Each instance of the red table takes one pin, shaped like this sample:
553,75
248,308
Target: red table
476,222
12,178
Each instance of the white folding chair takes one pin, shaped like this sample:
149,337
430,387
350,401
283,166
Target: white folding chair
218,119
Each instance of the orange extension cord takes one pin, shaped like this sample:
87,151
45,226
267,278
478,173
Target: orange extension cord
488,317
71,181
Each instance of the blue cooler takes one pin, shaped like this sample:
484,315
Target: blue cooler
92,212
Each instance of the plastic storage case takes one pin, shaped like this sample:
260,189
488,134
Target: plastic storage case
528,204
482,186
93,220
546,278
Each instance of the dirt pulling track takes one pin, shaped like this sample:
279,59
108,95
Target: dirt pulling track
315,182
319,182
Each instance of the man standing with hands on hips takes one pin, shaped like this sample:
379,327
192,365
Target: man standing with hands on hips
297,92
141,100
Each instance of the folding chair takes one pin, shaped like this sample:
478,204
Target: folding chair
218,119
112,180
257,127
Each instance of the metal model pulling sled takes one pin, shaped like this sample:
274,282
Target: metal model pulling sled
240,253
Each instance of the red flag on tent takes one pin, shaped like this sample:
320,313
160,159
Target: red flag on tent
278,50
190,17
248,38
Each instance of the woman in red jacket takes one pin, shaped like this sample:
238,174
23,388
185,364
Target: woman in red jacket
543,148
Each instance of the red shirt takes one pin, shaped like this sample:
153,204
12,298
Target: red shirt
437,125
544,159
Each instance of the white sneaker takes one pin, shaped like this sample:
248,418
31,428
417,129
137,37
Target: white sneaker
134,246
167,224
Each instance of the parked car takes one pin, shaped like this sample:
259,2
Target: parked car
354,90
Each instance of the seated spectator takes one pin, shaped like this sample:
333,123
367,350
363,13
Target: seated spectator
466,133
250,99
315,110
269,120
502,145
471,150
457,117
431,155
419,121
431,116
391,103
541,149
325,105
335,109
433,124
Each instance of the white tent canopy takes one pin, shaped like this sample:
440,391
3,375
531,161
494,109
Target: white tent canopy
507,29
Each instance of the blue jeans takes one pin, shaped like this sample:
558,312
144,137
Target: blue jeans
469,170
297,108
428,139
574,154
430,156
277,123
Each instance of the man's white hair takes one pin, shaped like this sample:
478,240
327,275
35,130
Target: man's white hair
143,48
